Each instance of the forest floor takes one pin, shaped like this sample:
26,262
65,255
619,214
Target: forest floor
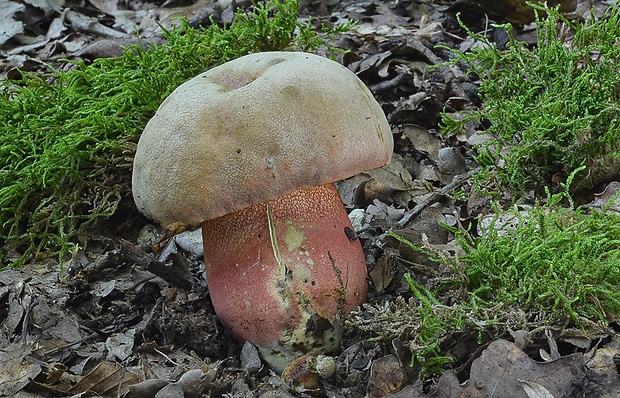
112,320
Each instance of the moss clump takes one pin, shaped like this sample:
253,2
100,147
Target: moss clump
557,264
551,109
68,137
552,264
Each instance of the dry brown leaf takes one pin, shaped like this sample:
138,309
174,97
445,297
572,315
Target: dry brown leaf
105,380
10,27
503,370
386,375
16,370
422,139
48,6
384,270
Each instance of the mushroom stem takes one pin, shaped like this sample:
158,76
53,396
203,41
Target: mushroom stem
283,274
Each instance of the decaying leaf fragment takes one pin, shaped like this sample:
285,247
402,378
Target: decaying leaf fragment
386,375
9,27
106,379
16,370
504,370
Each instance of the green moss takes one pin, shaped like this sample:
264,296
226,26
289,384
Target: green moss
432,328
557,264
552,265
67,138
551,109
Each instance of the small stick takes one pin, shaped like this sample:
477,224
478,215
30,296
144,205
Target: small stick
457,181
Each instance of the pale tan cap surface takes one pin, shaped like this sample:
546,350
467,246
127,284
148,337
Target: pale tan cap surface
254,129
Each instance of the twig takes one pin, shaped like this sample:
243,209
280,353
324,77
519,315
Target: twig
169,274
69,345
457,181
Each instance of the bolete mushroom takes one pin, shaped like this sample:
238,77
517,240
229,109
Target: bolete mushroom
250,150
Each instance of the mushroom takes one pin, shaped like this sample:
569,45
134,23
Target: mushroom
251,150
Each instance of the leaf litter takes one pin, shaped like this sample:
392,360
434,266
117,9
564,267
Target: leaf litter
115,322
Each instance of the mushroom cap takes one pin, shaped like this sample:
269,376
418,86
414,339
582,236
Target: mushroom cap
254,129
